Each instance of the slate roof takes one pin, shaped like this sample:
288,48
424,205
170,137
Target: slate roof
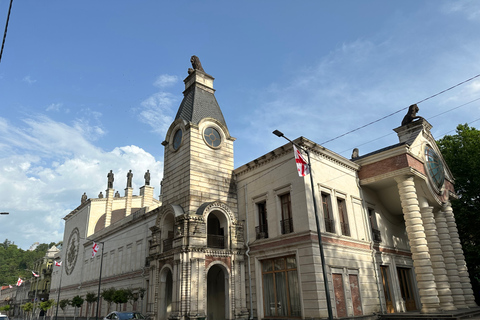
198,104
380,150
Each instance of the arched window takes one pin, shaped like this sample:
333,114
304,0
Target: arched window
216,230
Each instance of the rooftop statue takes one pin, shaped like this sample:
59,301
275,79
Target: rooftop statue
196,64
110,180
411,115
129,179
147,178
84,197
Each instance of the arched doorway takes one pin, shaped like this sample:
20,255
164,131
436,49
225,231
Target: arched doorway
216,226
217,293
165,292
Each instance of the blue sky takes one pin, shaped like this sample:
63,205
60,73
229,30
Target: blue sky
91,86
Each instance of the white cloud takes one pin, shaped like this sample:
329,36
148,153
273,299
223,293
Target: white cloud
156,110
29,80
54,107
468,8
165,80
48,167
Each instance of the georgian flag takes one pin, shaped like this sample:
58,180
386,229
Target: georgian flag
35,275
58,264
94,249
19,282
302,165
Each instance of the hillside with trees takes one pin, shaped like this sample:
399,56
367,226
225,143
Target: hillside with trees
16,262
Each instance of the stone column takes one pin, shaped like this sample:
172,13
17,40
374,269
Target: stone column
449,259
459,257
418,245
108,208
436,256
128,201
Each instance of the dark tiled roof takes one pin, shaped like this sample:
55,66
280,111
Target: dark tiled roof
198,104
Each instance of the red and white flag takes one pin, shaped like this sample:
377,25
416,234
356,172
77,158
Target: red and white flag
58,264
94,249
302,165
35,275
19,282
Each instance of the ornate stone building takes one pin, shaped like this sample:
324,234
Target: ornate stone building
242,243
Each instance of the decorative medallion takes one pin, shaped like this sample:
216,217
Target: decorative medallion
434,168
177,139
212,137
72,251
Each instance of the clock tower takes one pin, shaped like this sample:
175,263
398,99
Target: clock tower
197,249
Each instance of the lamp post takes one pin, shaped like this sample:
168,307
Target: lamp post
58,295
319,235
99,279
4,212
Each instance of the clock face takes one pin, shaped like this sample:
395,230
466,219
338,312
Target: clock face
212,137
72,251
177,139
434,167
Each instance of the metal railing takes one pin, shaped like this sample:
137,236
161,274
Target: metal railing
345,229
262,231
329,225
215,241
286,225
377,237
167,245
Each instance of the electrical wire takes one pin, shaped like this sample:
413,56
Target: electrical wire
391,114
391,133
6,27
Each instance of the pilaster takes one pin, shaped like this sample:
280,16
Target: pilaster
108,207
436,256
146,192
128,201
459,257
418,244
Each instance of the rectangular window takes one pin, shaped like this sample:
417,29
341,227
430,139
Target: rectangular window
373,223
327,213
342,212
262,228
286,207
281,292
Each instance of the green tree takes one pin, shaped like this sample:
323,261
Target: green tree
46,305
63,305
76,302
27,308
120,296
90,298
462,154
108,295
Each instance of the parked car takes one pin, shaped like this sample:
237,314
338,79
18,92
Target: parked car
116,315
3,317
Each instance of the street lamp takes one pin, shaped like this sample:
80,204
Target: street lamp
4,212
322,256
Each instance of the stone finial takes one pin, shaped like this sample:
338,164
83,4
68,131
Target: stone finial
84,197
110,177
129,179
411,115
100,195
196,64
117,194
147,178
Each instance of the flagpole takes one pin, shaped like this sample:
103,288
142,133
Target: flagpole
59,286
99,280
319,235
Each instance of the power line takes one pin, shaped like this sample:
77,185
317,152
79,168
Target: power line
6,27
391,114
454,108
